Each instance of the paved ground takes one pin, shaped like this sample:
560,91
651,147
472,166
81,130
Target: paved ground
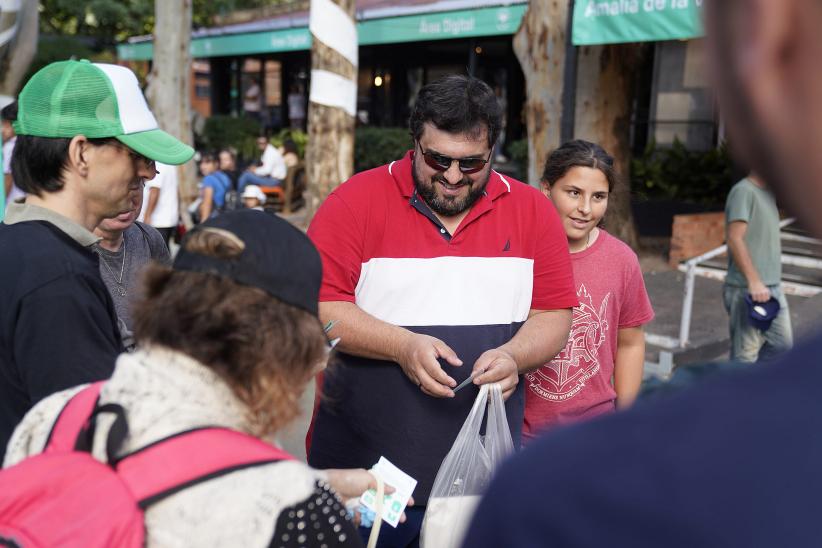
709,323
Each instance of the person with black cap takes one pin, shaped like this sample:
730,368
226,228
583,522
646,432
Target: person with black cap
229,336
86,140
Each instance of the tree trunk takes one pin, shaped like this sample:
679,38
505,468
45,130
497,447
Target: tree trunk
540,47
18,45
330,152
605,94
169,82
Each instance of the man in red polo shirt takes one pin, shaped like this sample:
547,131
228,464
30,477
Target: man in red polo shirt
434,266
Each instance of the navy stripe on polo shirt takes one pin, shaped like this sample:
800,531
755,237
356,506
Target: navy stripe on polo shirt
473,291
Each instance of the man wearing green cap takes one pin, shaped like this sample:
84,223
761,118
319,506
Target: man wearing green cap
86,144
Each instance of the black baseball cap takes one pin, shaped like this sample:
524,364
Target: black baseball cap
278,258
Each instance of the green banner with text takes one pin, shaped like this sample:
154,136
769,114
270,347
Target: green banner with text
391,30
619,21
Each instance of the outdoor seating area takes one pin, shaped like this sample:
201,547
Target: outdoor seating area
290,196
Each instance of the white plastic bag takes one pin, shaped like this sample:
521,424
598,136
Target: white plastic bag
466,471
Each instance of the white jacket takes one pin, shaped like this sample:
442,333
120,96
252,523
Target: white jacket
273,164
165,392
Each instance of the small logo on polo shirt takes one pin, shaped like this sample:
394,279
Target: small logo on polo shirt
507,245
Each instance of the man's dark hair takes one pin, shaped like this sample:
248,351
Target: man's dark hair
290,146
457,104
208,156
37,163
9,112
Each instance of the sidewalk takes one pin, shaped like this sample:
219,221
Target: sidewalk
709,338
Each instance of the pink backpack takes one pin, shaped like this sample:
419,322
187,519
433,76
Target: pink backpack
65,497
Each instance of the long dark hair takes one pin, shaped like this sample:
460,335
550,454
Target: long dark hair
578,153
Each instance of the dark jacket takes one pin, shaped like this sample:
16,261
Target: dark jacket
58,328
733,462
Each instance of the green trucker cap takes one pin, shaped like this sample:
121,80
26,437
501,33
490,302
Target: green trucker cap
98,100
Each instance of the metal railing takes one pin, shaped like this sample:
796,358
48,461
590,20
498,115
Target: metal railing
690,268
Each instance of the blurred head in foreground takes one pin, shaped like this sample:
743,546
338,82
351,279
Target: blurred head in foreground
765,60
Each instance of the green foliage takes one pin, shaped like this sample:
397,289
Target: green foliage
105,21
299,137
60,48
702,177
109,22
518,152
204,11
375,146
227,131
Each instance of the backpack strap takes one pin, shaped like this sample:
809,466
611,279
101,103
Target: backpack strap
228,182
73,418
188,458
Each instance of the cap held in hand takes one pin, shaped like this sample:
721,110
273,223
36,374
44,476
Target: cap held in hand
760,315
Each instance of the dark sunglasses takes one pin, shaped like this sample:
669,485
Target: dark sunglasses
440,162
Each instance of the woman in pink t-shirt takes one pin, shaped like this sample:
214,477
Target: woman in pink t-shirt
600,368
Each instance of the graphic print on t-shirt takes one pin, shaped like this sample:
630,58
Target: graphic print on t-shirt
565,376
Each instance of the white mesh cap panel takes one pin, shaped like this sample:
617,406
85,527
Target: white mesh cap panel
134,113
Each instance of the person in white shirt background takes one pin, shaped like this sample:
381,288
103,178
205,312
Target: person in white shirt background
270,172
161,204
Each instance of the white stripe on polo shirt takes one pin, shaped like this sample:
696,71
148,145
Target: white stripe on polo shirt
453,291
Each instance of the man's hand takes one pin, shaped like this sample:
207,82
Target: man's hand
759,292
418,358
498,366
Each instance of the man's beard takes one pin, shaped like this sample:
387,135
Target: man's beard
448,206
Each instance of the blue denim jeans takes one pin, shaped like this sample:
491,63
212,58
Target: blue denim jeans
748,343
249,178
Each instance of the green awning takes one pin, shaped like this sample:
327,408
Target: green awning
446,25
618,21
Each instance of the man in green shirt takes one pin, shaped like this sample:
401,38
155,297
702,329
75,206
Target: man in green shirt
755,269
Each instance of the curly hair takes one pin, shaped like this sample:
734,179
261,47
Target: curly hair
264,349
457,104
